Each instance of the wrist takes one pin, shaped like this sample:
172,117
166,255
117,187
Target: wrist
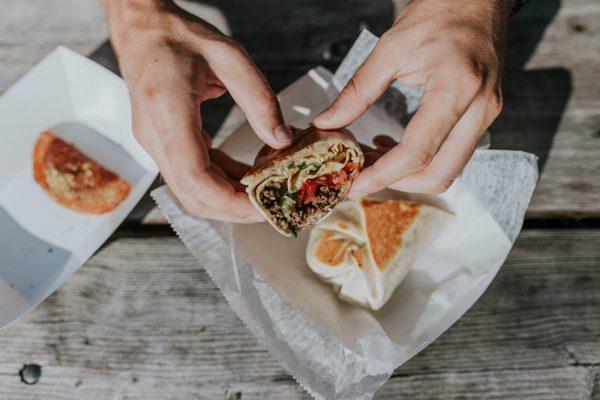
502,8
125,17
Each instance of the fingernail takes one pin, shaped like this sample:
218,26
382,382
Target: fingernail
283,134
327,114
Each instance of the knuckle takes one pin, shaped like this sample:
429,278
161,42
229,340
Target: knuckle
497,103
472,80
265,109
352,88
268,101
185,185
442,185
472,75
229,209
422,158
376,179
150,91
378,182
455,112
194,207
353,94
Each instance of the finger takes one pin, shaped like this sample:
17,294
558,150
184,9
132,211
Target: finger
207,85
231,167
184,157
196,207
201,210
363,89
443,104
209,92
207,139
230,206
252,93
214,89
452,156
235,183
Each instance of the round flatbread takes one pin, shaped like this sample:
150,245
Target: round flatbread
73,179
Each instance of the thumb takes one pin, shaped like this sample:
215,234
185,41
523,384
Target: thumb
251,91
368,83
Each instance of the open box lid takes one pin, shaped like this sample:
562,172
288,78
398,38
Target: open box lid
42,242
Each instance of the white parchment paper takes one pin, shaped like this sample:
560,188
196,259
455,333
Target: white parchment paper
333,349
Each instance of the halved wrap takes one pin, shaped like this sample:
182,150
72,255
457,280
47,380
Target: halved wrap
296,187
365,249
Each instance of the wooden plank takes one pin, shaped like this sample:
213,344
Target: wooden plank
543,384
31,29
552,103
143,320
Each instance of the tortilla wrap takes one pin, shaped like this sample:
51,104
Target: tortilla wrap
366,248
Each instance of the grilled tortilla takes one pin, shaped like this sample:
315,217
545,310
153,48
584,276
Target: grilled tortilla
366,248
295,187
73,179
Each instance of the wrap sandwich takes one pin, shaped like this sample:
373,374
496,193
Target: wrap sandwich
294,188
366,248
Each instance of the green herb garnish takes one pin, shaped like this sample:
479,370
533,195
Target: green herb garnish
287,204
282,190
294,233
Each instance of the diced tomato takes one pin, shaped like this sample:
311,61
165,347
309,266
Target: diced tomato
351,168
308,192
340,178
310,187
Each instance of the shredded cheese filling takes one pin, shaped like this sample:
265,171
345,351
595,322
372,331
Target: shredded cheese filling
297,173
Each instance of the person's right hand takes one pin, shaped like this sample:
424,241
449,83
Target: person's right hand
172,62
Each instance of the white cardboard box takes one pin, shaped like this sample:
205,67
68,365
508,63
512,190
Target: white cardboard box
42,242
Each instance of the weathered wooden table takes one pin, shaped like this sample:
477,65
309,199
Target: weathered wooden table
142,320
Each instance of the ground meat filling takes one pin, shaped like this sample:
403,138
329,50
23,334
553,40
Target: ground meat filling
302,215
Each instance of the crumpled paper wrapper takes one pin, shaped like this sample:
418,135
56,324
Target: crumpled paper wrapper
333,349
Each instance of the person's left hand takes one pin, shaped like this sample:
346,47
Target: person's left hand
453,48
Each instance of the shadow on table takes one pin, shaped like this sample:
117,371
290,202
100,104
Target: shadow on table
534,100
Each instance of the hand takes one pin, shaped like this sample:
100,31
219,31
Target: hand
172,62
453,48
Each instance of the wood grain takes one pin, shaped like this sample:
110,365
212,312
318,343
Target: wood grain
31,29
552,103
142,320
